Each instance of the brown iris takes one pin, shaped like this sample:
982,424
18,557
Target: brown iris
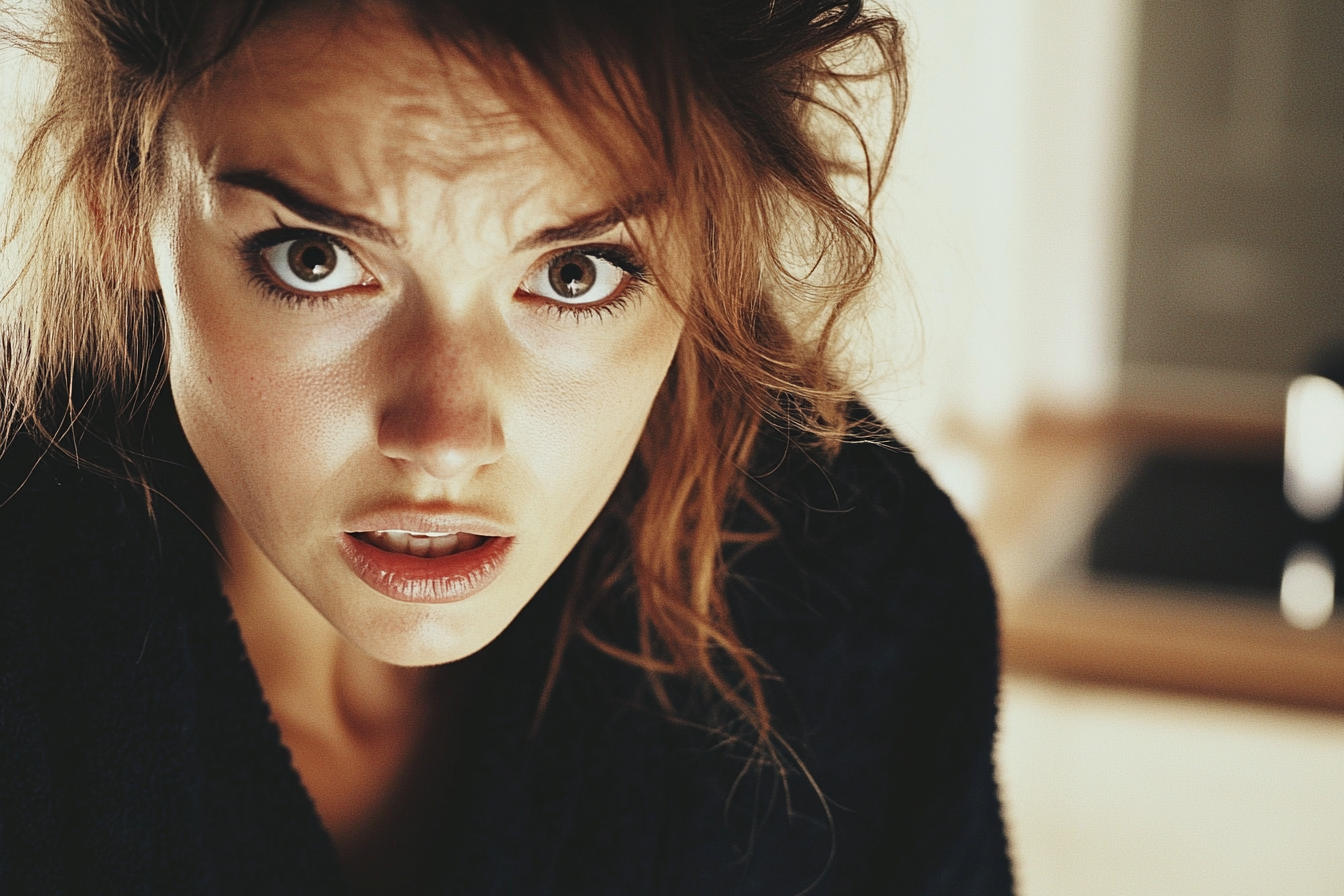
311,259
572,275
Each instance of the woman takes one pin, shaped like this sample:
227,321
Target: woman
507,524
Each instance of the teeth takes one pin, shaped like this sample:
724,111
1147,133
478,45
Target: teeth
422,544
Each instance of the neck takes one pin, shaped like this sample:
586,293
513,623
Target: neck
352,723
304,664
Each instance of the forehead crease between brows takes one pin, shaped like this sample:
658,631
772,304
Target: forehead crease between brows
568,228
449,135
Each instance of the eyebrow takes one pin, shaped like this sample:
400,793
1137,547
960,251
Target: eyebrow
307,208
584,227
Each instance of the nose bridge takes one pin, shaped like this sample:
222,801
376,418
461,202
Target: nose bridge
441,412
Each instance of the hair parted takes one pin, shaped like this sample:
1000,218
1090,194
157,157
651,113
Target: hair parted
737,116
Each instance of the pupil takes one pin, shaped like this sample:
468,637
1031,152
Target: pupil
311,260
574,276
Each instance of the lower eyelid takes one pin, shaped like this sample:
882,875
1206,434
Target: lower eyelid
582,312
632,292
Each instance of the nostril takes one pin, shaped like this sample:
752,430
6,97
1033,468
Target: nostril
445,439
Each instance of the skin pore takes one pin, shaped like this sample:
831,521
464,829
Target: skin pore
392,307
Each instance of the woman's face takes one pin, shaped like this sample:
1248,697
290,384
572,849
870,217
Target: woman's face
411,344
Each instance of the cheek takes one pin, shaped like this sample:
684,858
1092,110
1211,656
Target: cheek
585,420
267,413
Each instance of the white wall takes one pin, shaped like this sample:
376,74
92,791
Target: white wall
1006,209
22,81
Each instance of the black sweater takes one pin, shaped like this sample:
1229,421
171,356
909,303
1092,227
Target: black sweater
137,754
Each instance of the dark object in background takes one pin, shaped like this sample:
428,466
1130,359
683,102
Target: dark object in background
1329,362
1205,523
1220,523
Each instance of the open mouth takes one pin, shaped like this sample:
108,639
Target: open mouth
421,544
425,567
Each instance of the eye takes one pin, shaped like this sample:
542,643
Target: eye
314,263
581,276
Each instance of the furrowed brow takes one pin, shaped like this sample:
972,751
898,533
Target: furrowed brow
306,208
588,226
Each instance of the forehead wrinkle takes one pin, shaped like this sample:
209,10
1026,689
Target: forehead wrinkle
483,192
407,77
366,144
379,172
451,148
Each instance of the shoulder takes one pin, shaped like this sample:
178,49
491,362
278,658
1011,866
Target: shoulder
83,548
867,544
53,505
103,496
876,614
75,569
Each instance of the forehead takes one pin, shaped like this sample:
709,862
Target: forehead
357,104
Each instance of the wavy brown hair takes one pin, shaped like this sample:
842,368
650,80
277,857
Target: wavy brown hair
739,117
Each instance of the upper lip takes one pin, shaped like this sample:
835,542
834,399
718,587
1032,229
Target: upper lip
426,520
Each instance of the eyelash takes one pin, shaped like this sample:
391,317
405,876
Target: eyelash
250,250
619,256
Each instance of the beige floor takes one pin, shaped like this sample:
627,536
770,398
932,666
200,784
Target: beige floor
1111,792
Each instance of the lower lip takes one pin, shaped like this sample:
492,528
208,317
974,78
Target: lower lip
426,580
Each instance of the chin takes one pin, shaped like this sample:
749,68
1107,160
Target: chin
428,635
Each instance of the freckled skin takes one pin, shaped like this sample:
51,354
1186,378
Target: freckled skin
439,384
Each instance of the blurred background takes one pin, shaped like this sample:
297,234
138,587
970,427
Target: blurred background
1117,233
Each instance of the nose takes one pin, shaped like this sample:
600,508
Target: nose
441,415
